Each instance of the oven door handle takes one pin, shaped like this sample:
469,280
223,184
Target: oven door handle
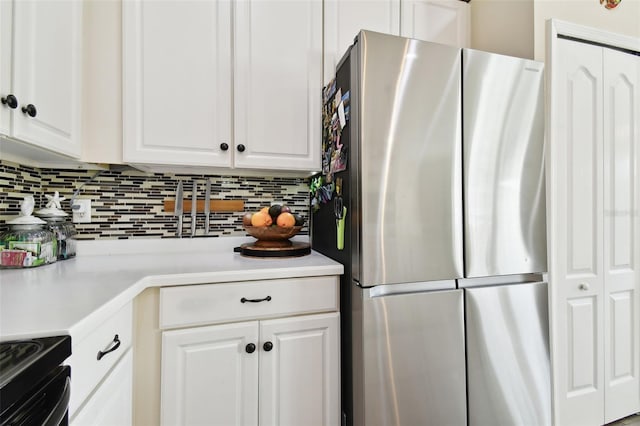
59,411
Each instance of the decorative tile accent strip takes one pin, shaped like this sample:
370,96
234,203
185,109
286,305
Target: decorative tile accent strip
129,204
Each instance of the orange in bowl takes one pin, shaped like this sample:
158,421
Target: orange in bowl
261,219
286,220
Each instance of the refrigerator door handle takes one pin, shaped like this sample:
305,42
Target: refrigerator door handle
404,288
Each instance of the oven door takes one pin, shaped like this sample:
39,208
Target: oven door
46,404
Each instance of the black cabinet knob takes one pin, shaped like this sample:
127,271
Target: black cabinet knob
10,101
224,146
240,148
267,346
30,110
250,348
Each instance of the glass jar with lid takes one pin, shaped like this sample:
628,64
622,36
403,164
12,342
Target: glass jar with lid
27,242
63,230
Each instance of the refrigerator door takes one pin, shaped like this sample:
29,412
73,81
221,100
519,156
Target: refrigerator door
504,185
508,364
406,146
411,370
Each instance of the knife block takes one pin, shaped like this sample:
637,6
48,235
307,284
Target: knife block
215,205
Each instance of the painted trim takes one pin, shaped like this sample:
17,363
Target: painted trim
594,35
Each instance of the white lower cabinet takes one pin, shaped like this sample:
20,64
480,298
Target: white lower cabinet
102,372
300,374
208,375
110,405
272,372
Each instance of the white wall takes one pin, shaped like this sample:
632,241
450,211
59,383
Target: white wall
503,26
517,27
624,19
102,82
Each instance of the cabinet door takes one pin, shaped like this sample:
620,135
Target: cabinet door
575,232
209,376
177,82
345,18
439,21
47,65
6,46
278,83
300,375
111,404
621,234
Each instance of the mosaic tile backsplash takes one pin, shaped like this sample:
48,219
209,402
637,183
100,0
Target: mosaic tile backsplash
130,204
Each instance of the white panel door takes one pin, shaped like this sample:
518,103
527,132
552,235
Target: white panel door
47,62
575,220
177,82
210,376
111,404
6,48
300,375
343,19
439,21
621,233
278,83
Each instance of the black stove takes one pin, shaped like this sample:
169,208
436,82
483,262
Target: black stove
34,386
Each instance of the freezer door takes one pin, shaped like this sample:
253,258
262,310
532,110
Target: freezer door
411,370
408,206
504,186
508,368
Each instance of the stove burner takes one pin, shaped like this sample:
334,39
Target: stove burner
25,363
14,354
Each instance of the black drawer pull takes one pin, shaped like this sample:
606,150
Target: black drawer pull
245,300
116,345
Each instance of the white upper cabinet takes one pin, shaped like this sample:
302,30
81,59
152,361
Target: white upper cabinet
7,107
343,20
41,73
223,83
177,82
439,21
278,84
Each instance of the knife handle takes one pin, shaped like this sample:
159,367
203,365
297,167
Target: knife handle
194,207
206,223
180,226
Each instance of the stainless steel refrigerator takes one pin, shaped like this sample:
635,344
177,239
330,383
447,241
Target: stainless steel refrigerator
412,208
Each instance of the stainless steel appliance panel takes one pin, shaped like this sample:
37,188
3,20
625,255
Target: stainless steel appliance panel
504,184
412,365
409,165
508,368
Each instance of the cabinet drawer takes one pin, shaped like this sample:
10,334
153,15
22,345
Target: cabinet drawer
211,303
111,403
86,370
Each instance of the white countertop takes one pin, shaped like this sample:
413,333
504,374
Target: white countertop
75,295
